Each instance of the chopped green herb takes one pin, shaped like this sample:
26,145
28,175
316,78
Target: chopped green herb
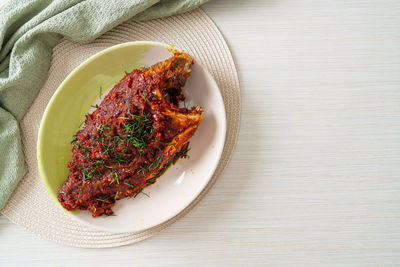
180,154
83,179
142,169
151,181
80,125
116,177
74,140
164,143
120,159
145,194
155,164
117,138
137,130
138,192
128,184
101,128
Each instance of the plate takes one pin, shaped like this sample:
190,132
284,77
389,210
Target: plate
180,185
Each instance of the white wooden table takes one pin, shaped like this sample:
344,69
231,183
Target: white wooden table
315,178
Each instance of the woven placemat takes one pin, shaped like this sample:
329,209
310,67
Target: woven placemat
31,207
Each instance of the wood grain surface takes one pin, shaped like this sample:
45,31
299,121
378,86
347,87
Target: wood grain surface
315,177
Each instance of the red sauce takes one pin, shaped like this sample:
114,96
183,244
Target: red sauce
129,141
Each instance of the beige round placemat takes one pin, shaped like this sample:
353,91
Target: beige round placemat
31,207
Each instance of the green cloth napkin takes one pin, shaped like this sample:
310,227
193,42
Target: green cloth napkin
29,29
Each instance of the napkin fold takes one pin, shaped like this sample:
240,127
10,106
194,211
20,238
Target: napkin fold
29,30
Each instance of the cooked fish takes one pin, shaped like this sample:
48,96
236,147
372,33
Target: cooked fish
132,137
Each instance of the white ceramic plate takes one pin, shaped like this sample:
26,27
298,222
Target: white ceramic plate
184,181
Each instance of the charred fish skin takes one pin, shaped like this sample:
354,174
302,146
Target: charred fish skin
132,138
